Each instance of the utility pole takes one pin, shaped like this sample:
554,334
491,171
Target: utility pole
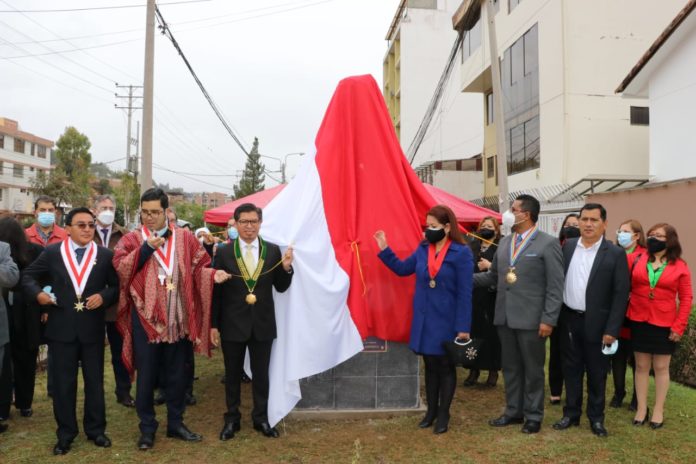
129,112
148,97
498,111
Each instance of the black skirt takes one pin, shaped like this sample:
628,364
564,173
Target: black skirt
648,338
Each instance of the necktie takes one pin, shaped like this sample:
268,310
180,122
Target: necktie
105,233
518,240
249,260
79,253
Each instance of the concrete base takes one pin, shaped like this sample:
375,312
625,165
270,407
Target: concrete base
348,414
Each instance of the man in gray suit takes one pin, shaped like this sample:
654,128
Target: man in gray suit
528,272
9,275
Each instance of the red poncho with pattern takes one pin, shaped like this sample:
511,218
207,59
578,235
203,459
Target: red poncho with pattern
141,291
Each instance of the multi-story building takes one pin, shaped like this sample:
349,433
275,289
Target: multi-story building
210,200
566,131
22,156
421,43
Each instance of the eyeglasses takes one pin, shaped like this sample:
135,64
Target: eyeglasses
84,225
151,212
248,222
106,208
659,237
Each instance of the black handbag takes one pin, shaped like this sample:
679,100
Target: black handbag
465,354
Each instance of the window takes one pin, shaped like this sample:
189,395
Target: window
512,4
517,61
490,166
31,169
1,192
531,50
523,146
471,41
18,170
41,151
18,145
1,168
640,116
2,141
489,108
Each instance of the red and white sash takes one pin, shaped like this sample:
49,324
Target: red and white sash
78,272
166,258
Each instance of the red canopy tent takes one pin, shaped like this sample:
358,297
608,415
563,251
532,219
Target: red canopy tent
467,213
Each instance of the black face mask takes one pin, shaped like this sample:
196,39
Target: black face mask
486,233
570,232
655,245
434,235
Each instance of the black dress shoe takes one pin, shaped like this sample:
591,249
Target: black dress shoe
61,448
183,433
266,429
642,422
616,401
504,420
146,441
531,427
566,422
598,429
228,430
190,399
3,427
426,422
492,378
245,378
441,427
126,400
28,412
656,425
473,378
555,401
101,440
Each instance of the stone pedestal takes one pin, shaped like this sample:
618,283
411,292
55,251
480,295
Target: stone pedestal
384,377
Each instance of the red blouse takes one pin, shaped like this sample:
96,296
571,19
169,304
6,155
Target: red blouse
671,304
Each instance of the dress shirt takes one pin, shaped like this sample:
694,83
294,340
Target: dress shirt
579,274
254,249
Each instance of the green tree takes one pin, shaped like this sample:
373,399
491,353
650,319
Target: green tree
127,196
253,179
190,212
69,181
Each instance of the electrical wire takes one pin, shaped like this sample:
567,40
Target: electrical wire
94,8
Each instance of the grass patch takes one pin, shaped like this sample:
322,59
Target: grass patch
393,440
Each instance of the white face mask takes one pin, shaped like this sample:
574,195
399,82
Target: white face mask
508,219
106,217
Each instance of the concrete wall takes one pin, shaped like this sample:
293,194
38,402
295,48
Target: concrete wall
651,205
464,184
673,114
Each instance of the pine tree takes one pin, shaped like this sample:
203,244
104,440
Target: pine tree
253,179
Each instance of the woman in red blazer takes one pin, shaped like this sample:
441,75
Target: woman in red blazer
659,309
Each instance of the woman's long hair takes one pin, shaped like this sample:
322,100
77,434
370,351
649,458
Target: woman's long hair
637,229
673,250
444,215
11,232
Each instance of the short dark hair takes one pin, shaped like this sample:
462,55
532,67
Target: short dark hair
561,234
155,193
74,211
593,206
247,208
44,199
530,205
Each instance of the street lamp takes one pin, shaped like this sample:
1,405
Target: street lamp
283,163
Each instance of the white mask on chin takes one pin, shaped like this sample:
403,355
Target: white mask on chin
106,217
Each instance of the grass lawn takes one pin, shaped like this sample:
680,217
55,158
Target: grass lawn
396,439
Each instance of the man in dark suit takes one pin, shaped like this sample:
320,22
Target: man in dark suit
9,275
244,315
108,234
528,272
84,284
594,303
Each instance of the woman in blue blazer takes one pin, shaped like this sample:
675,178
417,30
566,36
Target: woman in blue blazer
443,265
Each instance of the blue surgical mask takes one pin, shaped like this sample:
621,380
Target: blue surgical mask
232,233
625,239
46,219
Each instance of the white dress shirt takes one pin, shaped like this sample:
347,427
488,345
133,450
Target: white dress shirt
579,274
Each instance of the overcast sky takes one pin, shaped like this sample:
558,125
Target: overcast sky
270,65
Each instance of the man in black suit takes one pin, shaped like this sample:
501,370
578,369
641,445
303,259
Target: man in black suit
594,303
244,314
84,284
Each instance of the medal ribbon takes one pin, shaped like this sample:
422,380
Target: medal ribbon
79,273
655,274
516,251
166,259
250,280
435,262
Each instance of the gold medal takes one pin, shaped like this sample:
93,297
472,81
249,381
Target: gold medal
170,284
251,299
432,283
79,306
511,277
651,295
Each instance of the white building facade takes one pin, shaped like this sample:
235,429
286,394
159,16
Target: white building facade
22,156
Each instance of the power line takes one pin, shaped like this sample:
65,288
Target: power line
60,52
78,37
160,168
293,6
93,8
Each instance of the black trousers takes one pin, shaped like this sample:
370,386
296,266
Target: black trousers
18,376
148,359
621,359
66,359
260,357
440,384
581,356
123,383
555,365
